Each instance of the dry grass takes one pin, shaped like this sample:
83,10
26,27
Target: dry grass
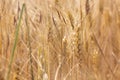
60,40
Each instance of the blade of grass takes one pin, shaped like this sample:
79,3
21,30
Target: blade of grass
15,43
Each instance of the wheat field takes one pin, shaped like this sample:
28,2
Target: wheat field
59,40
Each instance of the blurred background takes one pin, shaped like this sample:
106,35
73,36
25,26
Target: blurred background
60,40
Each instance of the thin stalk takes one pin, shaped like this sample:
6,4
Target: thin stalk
29,44
102,53
15,43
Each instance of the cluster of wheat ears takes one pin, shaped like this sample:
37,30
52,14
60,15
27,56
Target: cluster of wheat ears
59,40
